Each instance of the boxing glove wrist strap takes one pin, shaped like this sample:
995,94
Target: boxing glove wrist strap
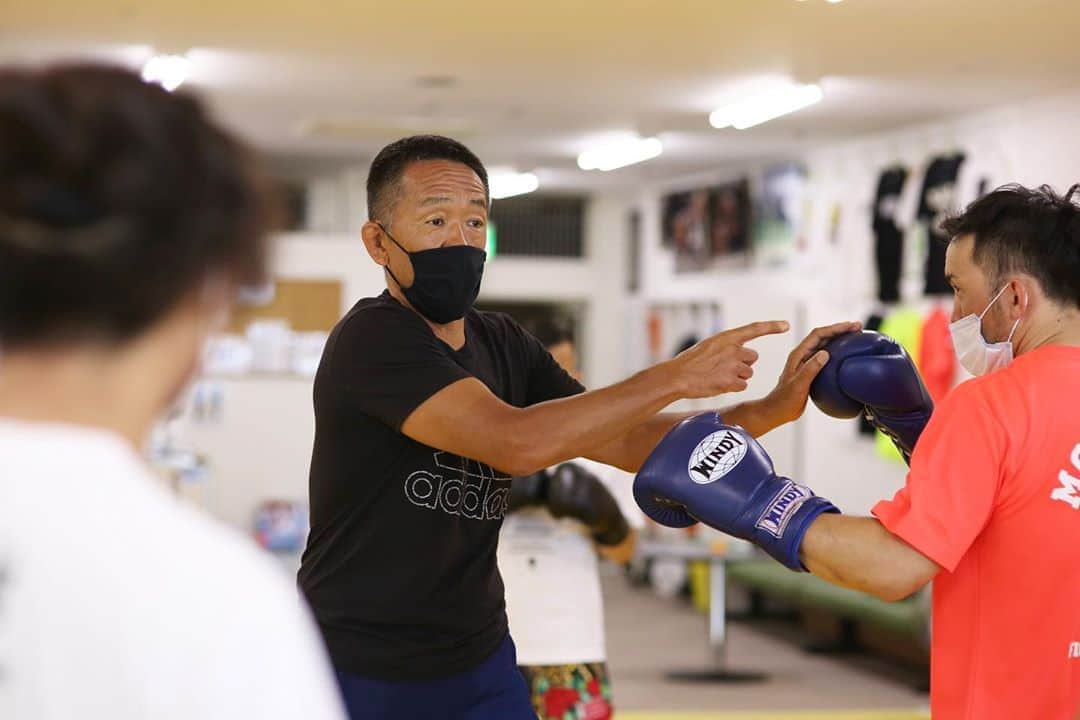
784,512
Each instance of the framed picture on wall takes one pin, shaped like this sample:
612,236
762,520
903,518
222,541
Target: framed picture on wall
707,226
729,206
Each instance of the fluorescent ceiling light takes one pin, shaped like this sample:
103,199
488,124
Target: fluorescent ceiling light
767,106
168,71
507,183
833,2
620,153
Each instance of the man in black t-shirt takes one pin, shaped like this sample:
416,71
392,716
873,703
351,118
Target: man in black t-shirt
425,408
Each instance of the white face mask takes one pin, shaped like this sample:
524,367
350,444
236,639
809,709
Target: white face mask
976,355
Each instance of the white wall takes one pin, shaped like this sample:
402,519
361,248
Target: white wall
1032,143
743,295
330,257
260,449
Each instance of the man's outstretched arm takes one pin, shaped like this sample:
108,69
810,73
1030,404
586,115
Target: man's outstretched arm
859,553
784,404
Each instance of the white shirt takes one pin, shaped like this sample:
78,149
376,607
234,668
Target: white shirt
117,601
549,568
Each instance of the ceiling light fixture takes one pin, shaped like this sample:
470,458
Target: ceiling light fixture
507,183
766,106
168,71
620,153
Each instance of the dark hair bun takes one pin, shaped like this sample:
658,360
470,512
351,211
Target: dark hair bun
117,201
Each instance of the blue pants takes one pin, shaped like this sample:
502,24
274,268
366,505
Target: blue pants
493,690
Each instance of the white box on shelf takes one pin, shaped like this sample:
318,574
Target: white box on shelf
307,352
271,344
228,355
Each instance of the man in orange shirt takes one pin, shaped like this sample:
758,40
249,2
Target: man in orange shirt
991,507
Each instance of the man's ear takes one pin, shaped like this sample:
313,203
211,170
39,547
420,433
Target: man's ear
375,241
1024,289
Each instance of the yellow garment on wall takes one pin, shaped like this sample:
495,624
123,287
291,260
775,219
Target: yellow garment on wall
905,327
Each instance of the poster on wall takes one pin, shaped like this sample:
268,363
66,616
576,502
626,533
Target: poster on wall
708,227
780,212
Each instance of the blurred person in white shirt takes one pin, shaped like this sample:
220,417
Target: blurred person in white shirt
127,221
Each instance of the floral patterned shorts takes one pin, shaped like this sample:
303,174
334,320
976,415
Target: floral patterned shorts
569,692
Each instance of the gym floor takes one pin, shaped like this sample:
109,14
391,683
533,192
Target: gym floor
647,636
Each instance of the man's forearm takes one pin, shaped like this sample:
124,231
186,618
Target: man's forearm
630,450
468,419
755,417
859,553
572,427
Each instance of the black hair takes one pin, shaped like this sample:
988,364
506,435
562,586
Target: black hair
389,165
118,200
551,331
1033,231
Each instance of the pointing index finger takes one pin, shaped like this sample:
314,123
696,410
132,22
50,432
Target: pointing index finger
746,333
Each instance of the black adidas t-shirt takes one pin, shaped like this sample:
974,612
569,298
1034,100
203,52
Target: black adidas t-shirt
400,564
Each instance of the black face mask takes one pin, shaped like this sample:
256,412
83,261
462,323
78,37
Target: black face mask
446,280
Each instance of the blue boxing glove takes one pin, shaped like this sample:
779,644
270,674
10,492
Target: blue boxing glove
870,373
704,470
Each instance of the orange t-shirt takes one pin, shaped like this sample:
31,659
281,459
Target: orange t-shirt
993,496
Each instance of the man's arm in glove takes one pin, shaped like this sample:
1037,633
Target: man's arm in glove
859,553
528,491
576,493
706,471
